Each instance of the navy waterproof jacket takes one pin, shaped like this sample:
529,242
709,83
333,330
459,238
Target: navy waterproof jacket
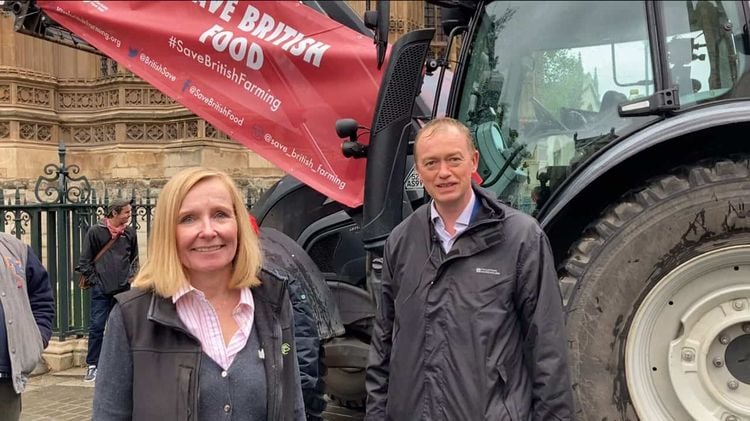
277,248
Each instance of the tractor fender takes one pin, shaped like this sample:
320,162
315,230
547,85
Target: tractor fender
720,114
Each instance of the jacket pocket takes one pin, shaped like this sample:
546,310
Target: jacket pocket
184,393
485,295
31,344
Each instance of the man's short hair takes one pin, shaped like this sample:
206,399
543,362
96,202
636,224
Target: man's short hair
443,124
117,205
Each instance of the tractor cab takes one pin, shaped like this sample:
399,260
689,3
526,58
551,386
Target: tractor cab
547,85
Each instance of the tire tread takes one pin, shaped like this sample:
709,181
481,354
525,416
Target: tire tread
616,216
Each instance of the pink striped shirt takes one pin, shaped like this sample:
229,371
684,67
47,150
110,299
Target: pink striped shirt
200,318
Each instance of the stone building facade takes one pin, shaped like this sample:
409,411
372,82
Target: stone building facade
119,130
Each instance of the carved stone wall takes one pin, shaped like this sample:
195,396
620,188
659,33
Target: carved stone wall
4,94
39,132
145,97
33,96
117,128
80,101
4,129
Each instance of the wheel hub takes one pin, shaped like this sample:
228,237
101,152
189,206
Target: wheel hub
688,345
705,385
738,358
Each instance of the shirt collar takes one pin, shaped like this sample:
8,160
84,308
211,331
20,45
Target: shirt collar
246,296
463,219
184,290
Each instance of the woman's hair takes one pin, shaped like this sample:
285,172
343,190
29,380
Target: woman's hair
164,272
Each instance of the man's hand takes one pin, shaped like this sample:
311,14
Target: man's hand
83,282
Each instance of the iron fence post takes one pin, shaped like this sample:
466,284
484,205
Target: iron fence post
56,193
18,216
3,213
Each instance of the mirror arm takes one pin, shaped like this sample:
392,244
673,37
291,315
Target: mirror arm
454,33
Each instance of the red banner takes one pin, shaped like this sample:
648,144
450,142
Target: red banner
274,76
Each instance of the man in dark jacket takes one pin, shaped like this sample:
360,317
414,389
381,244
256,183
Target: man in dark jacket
26,312
470,323
278,259
108,273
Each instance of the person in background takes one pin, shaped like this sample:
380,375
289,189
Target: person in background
27,309
205,333
279,256
108,262
469,324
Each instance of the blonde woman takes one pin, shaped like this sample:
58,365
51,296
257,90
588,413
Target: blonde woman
204,334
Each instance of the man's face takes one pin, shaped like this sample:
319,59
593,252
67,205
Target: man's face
445,164
122,217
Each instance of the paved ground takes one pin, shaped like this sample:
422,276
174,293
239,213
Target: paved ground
60,396
63,396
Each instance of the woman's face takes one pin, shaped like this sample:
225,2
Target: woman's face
207,229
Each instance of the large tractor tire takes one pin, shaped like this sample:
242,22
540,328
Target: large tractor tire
658,300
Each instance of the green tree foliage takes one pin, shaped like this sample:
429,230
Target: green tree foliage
562,80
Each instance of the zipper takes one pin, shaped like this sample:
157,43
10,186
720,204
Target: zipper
277,365
193,414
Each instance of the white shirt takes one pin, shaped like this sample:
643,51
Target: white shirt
446,240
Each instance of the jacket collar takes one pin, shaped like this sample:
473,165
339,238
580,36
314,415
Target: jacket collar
272,287
270,291
162,310
487,207
489,213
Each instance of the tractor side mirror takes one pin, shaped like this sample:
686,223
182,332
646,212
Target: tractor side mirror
347,128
